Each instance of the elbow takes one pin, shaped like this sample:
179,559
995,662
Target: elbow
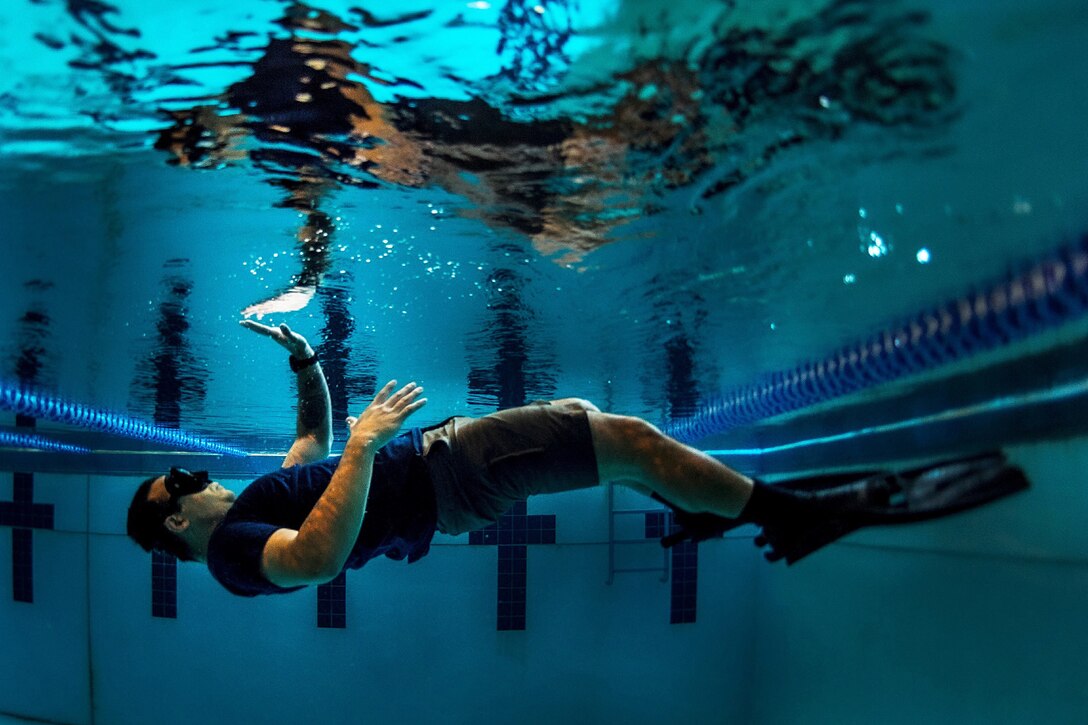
320,572
324,576
320,443
310,448
329,572
287,561
316,580
326,568
317,562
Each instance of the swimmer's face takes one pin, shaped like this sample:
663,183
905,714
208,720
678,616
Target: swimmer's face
206,503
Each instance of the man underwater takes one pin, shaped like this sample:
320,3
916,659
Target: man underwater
388,492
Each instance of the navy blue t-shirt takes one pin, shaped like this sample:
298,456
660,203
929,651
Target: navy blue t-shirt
399,521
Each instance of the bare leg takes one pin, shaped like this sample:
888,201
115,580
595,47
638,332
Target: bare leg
631,450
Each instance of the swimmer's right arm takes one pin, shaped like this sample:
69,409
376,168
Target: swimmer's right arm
317,551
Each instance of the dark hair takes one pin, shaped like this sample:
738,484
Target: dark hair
145,524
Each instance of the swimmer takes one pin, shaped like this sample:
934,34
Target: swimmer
390,491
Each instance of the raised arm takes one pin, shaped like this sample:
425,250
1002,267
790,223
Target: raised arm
317,551
313,427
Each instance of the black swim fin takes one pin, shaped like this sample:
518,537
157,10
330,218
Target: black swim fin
845,502
919,494
703,526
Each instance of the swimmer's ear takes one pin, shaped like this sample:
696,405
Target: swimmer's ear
176,523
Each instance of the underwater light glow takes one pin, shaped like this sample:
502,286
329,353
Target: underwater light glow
29,440
25,400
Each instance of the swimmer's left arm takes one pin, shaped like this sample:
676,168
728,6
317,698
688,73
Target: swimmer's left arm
313,427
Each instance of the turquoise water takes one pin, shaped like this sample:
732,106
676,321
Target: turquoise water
640,203
787,194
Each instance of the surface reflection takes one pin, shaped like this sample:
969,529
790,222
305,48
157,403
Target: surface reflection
576,166
350,371
33,363
172,380
676,335
567,157
507,366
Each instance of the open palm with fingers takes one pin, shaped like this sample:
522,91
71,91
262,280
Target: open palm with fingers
387,412
289,340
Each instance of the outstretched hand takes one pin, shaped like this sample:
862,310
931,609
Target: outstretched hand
387,412
289,340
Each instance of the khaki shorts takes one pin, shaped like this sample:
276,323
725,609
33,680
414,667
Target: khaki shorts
480,467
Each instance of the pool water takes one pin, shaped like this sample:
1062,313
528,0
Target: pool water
646,204
761,185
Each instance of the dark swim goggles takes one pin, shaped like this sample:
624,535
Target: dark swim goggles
180,482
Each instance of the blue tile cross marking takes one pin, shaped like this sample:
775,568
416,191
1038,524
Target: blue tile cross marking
164,585
685,569
332,602
23,515
331,597
512,534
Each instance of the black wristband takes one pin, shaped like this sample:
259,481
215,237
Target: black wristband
300,365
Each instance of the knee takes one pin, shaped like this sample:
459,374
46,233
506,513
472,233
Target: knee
625,446
578,404
585,405
641,435
635,439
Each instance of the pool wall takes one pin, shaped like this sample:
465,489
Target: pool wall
972,619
